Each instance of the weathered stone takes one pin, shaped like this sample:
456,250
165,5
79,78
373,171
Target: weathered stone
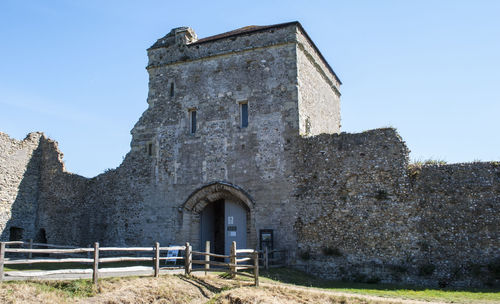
345,205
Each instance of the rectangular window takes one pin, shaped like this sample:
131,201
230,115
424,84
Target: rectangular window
192,121
150,149
244,114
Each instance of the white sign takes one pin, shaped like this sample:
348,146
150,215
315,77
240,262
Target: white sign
230,220
232,233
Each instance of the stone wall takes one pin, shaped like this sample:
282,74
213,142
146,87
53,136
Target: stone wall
365,216
319,96
347,206
19,184
36,192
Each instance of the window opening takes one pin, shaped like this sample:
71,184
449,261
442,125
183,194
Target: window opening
172,89
244,114
150,149
42,236
192,119
16,234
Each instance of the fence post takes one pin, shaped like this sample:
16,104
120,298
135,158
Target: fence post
187,258
2,259
95,275
232,260
256,267
266,258
207,257
157,259
30,246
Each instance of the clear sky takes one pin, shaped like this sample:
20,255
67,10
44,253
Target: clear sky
76,69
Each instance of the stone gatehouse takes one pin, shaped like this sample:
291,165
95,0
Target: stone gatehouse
241,141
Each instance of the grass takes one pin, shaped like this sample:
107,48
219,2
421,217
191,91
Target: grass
218,289
296,277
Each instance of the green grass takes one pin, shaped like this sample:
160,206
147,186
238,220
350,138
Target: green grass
70,289
296,277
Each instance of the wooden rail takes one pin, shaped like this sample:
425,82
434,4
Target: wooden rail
269,261
231,263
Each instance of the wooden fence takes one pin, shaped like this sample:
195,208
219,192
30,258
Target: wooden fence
238,259
275,258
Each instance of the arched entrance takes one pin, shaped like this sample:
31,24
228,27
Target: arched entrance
220,213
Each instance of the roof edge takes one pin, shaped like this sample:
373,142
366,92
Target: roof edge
264,28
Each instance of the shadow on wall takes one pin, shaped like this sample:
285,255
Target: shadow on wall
22,224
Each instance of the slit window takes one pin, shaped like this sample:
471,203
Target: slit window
171,89
244,115
192,121
150,149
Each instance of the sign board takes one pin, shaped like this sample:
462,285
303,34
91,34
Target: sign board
172,254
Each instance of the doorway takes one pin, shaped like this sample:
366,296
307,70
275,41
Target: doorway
222,222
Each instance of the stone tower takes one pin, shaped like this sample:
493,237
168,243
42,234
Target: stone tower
241,142
224,108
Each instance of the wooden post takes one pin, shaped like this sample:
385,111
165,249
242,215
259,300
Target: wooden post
187,259
2,259
157,259
95,276
30,246
266,258
256,267
207,257
232,260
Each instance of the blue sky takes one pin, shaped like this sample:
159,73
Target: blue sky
76,69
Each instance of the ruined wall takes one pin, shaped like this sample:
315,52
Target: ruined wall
459,210
33,184
364,217
19,183
347,206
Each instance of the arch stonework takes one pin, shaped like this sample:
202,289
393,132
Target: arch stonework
200,198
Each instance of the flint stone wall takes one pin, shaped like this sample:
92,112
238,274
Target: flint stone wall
365,216
347,206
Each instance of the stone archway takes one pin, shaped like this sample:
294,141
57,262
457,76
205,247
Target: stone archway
211,193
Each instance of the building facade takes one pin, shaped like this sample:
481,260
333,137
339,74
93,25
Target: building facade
241,142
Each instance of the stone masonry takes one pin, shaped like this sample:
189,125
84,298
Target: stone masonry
347,206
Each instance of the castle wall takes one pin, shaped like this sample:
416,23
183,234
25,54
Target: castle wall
36,192
459,210
363,216
347,206
19,183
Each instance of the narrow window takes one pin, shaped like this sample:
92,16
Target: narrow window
244,114
172,89
150,149
192,121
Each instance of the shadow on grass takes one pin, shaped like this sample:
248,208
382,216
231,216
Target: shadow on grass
297,277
